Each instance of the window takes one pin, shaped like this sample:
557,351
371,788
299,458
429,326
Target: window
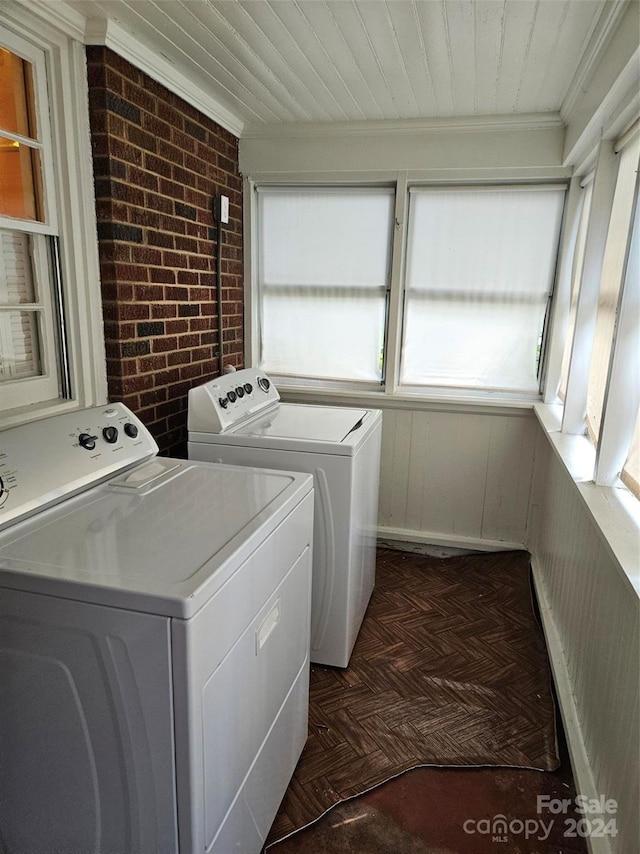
30,315
480,269
323,277
480,272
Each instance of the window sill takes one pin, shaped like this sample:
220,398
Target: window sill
35,412
614,510
366,397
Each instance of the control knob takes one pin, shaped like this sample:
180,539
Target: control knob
87,441
223,402
110,434
232,396
131,430
264,384
248,388
240,391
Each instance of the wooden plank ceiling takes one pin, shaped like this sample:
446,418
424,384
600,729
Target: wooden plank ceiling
280,61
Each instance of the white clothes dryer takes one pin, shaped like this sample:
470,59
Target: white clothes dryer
239,419
154,632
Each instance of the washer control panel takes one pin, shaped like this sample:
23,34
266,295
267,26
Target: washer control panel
45,461
229,400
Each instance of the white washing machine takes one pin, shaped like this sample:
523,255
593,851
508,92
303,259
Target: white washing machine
238,418
154,632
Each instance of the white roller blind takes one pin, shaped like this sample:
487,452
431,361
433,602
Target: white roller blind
480,268
323,272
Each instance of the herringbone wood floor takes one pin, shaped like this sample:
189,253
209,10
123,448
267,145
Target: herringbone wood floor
450,668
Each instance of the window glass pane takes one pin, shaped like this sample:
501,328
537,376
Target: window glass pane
19,352
576,276
471,344
610,283
20,180
341,338
16,274
323,269
17,113
480,267
631,470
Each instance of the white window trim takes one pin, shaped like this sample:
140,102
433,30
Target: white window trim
73,179
585,324
622,396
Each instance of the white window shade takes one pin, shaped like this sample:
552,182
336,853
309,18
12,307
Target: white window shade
480,270
323,272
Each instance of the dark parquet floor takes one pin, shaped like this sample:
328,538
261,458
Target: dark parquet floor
449,669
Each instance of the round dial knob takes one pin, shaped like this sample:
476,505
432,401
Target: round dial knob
264,383
248,388
131,430
110,434
240,391
87,441
232,396
223,402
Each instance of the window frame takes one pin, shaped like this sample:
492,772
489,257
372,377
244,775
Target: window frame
46,384
391,387
71,226
258,289
495,185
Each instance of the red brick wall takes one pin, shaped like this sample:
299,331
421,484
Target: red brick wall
157,164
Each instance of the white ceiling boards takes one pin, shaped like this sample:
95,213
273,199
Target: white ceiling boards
269,62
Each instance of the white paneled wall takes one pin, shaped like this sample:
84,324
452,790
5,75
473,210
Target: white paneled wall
456,478
592,623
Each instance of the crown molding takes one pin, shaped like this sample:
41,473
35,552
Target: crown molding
618,110
605,27
453,124
113,36
58,15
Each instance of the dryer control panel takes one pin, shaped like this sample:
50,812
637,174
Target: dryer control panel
229,400
46,461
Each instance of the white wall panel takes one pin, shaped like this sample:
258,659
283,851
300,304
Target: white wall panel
461,478
593,611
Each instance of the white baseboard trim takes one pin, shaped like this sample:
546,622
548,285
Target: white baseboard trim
405,535
582,773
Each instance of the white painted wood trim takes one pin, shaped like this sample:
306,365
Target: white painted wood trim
622,397
606,26
455,124
619,108
396,295
109,34
251,318
575,406
406,535
582,773
89,367
562,297
60,15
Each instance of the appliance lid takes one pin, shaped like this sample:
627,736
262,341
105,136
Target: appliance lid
311,423
163,547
